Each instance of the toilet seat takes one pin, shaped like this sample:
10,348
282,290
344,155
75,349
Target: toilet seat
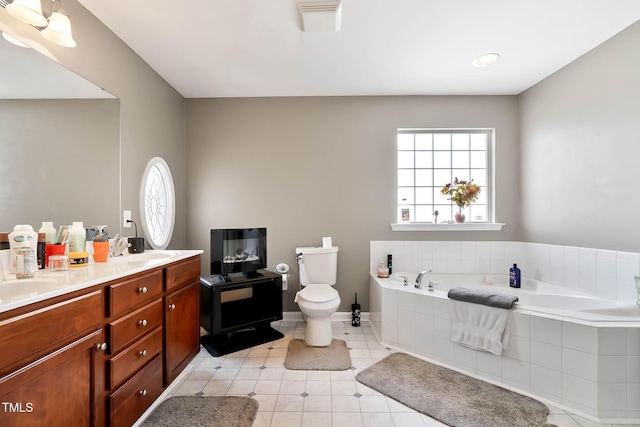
318,293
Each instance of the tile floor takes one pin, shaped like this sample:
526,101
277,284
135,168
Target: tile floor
313,398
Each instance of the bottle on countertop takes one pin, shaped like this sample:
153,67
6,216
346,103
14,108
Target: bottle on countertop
24,260
389,263
514,276
50,232
22,234
77,237
42,242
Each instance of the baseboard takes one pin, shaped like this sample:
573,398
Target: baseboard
340,316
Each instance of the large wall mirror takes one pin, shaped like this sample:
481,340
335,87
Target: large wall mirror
59,145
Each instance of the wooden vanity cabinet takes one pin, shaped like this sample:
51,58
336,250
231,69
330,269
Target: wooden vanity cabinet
56,390
52,363
101,356
182,329
153,319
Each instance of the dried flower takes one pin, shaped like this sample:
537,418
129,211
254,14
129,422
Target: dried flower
462,193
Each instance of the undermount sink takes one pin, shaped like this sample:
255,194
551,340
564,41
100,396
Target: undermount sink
143,257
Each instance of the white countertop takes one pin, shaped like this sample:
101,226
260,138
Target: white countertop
16,293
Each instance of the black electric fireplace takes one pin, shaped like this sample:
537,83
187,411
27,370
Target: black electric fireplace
238,250
240,298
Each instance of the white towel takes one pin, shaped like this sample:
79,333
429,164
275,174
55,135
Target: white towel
479,326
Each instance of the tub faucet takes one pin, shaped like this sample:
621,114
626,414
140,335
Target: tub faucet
405,281
431,285
423,273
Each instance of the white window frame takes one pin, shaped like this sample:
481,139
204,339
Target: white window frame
157,203
487,188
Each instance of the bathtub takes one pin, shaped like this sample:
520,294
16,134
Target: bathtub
538,297
569,349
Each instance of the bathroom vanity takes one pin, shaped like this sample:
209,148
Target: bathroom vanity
95,346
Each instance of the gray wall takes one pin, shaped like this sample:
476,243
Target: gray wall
152,113
580,150
312,167
56,162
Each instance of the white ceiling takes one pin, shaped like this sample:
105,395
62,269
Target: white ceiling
255,48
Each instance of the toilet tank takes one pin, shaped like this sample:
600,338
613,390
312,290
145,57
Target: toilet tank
318,265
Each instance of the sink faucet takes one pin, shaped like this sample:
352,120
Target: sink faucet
423,273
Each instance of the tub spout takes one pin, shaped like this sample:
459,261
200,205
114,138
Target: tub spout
423,273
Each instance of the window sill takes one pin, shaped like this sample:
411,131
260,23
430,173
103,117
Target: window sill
427,226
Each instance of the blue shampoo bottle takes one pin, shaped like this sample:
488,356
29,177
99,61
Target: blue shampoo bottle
514,276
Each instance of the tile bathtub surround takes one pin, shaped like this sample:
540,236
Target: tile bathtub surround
314,398
603,273
592,370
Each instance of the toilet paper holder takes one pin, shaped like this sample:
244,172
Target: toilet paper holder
282,268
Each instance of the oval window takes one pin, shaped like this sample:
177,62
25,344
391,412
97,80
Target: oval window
157,203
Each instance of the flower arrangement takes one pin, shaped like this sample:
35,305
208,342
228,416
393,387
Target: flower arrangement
462,193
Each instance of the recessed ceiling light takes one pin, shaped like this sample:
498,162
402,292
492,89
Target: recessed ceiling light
486,59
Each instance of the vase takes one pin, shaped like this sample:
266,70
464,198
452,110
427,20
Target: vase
459,217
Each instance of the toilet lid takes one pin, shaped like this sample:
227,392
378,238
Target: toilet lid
318,293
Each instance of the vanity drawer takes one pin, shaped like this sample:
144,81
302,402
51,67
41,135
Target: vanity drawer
183,273
129,328
133,358
124,295
50,326
131,400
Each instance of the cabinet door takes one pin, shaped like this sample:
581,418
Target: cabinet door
63,388
182,329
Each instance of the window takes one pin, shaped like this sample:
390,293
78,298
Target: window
157,203
428,159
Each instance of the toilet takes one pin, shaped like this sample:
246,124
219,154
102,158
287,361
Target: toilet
317,299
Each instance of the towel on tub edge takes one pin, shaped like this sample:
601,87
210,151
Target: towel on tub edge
479,326
478,296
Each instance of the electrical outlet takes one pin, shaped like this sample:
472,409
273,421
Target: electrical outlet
126,216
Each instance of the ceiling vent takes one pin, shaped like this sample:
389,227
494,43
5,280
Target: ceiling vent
321,15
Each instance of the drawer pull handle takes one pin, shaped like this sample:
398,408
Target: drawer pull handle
143,353
143,290
142,322
142,392
172,306
101,347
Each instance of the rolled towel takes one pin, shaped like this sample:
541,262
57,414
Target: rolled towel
476,296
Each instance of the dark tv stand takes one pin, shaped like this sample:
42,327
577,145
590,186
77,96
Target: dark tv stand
237,309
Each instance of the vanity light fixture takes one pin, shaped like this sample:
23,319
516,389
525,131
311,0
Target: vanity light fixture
59,28
13,40
486,59
28,11
56,28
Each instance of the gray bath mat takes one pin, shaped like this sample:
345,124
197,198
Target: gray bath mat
206,411
334,357
450,397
